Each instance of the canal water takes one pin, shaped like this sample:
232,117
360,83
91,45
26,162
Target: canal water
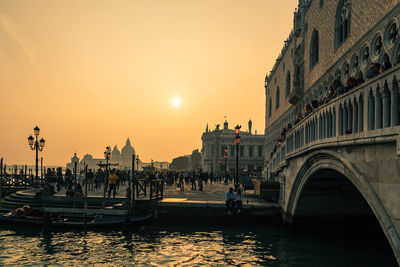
159,245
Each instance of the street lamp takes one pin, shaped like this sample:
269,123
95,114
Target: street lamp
107,155
219,163
137,162
36,145
237,142
226,158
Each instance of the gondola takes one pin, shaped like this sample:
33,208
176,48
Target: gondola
76,222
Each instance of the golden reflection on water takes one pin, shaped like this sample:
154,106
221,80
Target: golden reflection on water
177,246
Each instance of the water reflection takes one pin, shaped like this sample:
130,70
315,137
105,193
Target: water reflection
179,246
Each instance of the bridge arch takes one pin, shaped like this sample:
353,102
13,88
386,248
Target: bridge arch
328,160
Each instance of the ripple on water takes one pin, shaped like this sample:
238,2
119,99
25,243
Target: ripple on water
190,246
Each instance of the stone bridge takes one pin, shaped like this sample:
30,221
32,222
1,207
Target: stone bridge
343,159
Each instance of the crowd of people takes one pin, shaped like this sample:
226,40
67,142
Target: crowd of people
334,90
110,181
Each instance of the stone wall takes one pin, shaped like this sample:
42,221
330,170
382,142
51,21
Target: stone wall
364,15
369,21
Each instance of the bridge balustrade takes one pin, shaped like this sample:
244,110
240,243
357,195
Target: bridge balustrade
367,112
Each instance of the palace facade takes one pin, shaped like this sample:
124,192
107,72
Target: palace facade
331,40
251,149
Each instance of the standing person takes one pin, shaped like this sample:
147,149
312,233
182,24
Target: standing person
112,183
181,185
59,178
230,201
90,179
201,178
193,180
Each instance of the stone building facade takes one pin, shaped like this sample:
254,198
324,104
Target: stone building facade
251,149
331,39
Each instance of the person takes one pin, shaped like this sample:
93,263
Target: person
238,201
373,70
181,184
350,84
307,109
230,201
78,190
112,183
337,87
200,180
385,66
330,95
193,180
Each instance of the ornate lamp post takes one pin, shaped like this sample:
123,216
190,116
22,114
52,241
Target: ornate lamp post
237,142
107,155
137,162
37,146
226,159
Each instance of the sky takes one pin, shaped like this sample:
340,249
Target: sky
91,73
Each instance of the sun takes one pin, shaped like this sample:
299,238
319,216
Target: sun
176,102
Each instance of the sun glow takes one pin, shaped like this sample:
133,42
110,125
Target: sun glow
176,102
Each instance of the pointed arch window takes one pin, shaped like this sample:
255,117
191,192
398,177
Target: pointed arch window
314,49
342,22
288,81
277,98
269,107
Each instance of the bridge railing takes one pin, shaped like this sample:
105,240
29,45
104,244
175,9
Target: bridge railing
368,113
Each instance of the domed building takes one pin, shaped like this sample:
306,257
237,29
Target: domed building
115,155
123,158
126,154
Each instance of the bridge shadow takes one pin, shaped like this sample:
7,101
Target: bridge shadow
331,207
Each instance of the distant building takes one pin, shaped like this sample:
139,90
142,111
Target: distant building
123,158
251,149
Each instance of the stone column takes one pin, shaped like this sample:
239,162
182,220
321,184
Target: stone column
371,110
394,100
360,113
386,105
355,116
378,109
350,117
334,123
345,118
340,120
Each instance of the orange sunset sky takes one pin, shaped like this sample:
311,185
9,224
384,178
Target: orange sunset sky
91,73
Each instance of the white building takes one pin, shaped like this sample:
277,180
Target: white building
251,149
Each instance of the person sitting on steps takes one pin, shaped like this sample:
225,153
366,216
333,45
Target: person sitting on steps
230,201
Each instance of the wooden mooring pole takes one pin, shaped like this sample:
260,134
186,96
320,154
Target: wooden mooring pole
86,196
75,165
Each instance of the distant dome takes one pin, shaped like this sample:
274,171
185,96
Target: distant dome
115,151
128,149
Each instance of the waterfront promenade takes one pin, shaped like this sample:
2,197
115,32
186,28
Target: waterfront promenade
212,193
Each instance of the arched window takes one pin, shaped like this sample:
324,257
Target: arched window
342,22
287,89
269,107
314,49
277,98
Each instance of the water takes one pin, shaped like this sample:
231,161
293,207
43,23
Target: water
187,245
